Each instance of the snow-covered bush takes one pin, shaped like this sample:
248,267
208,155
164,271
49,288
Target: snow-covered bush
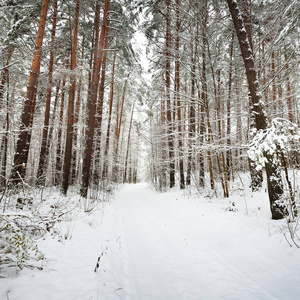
18,248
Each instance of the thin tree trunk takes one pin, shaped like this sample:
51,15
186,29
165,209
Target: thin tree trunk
98,120
264,75
52,127
4,144
69,136
75,156
111,98
163,146
177,94
41,173
289,92
168,96
204,95
273,111
117,133
24,138
279,88
4,74
228,140
128,145
59,147
192,114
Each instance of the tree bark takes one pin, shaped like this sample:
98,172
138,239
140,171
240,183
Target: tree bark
70,123
177,94
128,145
23,143
92,104
228,131
59,146
275,185
42,166
204,94
111,98
98,120
4,74
168,96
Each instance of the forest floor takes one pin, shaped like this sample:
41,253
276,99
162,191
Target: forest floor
175,245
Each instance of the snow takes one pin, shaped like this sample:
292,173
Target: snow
175,245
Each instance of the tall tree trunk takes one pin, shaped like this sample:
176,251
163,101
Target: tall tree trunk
222,167
92,104
59,147
42,166
51,128
204,93
69,136
117,133
4,144
201,95
266,94
273,109
75,156
98,120
275,185
192,114
228,132
24,138
289,92
128,145
239,136
4,73
177,94
162,144
168,96
93,66
111,98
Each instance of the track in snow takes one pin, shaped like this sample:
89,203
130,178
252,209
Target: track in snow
176,249
164,246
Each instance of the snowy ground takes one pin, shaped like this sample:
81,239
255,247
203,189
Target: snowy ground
166,246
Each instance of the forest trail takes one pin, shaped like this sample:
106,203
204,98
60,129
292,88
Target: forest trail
170,250
167,246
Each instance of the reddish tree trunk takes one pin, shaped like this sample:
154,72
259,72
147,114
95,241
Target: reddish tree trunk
92,104
23,143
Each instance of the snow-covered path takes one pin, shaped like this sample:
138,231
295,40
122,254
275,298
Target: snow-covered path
175,250
165,246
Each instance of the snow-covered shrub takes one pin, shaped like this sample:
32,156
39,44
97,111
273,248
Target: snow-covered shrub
18,248
279,137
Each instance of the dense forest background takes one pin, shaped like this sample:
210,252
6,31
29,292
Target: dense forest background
222,96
